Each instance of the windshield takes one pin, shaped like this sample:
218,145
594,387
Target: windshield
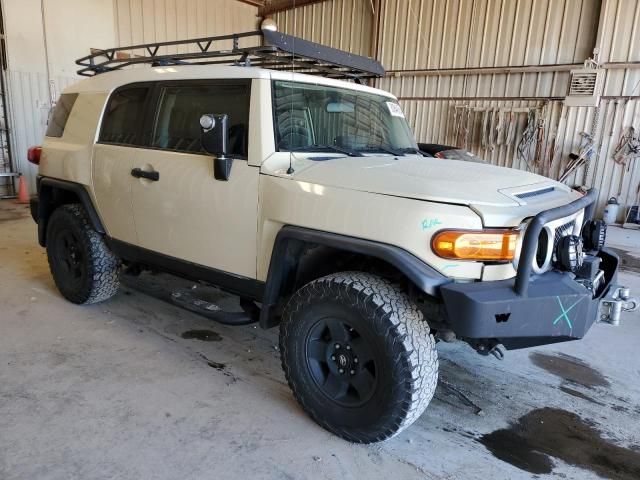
318,117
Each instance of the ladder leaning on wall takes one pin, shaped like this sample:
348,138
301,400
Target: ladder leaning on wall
7,174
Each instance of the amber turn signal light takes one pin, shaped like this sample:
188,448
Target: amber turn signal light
483,245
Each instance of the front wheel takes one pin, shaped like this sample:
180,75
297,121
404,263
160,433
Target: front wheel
358,355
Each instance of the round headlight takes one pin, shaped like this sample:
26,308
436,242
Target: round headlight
569,253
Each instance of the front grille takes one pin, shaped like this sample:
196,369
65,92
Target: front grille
563,231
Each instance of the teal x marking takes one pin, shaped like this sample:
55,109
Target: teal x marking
565,312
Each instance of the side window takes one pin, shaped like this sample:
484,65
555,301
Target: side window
177,125
60,114
123,117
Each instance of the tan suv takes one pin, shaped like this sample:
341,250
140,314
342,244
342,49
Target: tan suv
306,195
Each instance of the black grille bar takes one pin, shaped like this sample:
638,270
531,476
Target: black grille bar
530,242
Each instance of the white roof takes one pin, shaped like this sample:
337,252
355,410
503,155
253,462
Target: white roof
109,81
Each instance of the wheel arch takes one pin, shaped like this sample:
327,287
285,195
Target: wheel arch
52,193
292,244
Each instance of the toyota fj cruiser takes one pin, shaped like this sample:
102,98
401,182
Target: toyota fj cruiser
307,196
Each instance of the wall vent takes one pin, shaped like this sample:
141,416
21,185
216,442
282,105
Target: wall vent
585,87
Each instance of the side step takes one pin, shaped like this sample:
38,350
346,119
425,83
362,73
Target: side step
200,299
191,302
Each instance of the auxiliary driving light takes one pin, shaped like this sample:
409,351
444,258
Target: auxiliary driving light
594,233
569,253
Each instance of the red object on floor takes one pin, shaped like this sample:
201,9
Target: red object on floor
23,191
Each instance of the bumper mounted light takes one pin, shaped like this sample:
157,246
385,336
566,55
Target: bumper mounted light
594,234
569,253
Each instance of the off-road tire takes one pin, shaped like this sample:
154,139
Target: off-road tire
398,336
92,275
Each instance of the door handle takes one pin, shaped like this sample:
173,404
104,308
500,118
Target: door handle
139,173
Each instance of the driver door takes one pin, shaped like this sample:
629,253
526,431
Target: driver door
180,209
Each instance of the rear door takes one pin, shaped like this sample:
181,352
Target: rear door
121,135
183,211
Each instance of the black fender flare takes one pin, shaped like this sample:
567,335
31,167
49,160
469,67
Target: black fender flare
48,196
285,252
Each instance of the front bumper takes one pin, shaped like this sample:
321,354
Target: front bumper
531,310
555,309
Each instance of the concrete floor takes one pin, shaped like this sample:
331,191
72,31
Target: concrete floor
114,391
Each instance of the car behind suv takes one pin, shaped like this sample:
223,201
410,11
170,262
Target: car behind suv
308,197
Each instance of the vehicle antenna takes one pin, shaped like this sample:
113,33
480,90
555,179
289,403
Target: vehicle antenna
290,170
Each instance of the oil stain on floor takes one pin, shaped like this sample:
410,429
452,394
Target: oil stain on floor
575,393
569,368
204,335
532,441
627,261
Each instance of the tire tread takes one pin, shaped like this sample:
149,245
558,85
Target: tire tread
104,266
394,316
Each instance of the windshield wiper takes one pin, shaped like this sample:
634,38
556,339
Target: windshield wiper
411,150
381,148
319,148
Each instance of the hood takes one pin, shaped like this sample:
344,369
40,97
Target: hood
432,179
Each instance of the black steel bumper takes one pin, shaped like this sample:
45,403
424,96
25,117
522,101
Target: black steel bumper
530,310
555,309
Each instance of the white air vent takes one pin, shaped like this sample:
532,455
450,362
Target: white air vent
585,87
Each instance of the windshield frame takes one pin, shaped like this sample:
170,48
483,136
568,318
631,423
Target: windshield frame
355,91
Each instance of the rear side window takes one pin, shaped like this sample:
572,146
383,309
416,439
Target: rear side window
60,114
177,123
123,117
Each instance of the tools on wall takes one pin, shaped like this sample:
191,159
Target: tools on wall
494,126
628,147
525,137
502,127
585,152
626,152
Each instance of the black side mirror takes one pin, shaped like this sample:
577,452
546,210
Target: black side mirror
215,140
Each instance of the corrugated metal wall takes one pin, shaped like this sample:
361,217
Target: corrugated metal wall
343,24
30,107
145,21
440,35
443,34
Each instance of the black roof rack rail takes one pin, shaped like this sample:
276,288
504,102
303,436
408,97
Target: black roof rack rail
275,50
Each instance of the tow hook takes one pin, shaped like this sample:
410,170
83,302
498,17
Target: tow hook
490,347
498,351
614,303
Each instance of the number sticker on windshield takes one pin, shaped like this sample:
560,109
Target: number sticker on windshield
395,110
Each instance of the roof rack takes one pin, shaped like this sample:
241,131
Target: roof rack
275,50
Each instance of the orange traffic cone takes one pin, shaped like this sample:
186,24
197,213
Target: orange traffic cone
23,191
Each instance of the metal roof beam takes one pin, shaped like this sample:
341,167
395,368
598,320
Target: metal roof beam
275,6
255,3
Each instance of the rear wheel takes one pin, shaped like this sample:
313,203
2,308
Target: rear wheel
83,268
358,355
